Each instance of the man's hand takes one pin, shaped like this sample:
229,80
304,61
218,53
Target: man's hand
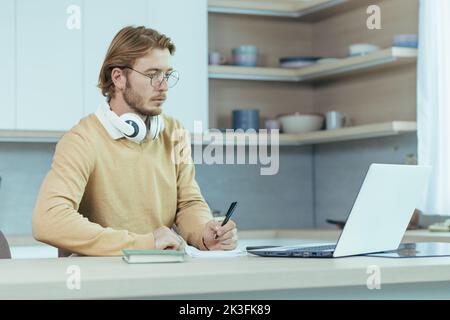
226,236
166,239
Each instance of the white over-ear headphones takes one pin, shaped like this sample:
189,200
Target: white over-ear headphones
133,127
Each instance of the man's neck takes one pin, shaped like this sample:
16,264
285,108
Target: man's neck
119,106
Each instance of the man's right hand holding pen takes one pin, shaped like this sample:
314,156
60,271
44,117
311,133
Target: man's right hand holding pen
219,235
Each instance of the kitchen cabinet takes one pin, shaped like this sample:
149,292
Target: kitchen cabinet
7,55
50,80
49,66
102,20
376,90
185,22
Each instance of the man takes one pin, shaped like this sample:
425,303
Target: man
107,190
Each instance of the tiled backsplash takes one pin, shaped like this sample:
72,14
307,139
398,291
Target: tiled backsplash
276,201
340,169
334,171
23,166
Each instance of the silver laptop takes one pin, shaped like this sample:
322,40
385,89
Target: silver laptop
378,219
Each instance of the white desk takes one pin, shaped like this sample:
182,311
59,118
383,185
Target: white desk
232,278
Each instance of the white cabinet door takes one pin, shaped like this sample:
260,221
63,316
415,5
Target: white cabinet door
185,22
102,20
49,64
7,56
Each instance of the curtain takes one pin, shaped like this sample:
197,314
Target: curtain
433,103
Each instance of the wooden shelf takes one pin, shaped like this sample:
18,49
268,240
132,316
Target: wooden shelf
316,137
30,136
252,73
391,57
312,10
323,136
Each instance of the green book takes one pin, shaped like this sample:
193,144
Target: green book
152,256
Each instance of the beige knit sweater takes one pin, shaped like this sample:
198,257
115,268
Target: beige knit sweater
103,195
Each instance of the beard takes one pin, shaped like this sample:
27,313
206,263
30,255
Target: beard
137,103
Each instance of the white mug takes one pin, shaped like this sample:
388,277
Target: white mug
336,120
216,58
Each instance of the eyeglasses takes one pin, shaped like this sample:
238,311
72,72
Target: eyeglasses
157,79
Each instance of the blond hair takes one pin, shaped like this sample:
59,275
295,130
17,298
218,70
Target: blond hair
128,45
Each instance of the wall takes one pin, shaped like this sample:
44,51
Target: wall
314,183
23,166
340,169
283,201
280,201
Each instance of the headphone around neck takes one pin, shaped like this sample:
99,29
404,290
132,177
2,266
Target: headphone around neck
133,127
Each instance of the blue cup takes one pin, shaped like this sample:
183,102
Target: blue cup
246,119
245,56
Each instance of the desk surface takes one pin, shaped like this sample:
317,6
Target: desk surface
110,277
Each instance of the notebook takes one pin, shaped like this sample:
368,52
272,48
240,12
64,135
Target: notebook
156,256
152,256
195,253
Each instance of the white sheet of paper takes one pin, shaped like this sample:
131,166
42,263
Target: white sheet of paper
195,253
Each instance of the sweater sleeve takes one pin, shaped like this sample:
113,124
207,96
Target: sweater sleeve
56,220
193,213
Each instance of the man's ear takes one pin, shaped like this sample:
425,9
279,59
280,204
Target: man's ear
118,78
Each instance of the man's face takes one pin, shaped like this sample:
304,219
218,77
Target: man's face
139,94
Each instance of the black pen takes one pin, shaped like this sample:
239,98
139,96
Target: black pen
228,215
